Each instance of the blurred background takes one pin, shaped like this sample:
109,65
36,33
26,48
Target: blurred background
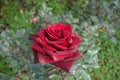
19,18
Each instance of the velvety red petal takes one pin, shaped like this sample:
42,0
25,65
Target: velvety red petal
41,34
57,33
65,65
64,41
67,56
36,60
58,58
66,30
44,58
33,36
66,52
55,45
38,48
45,44
49,30
68,62
54,55
65,27
75,55
75,41
51,53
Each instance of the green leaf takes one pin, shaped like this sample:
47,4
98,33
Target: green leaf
88,66
93,52
70,77
38,69
3,76
94,19
78,75
75,20
41,78
13,63
69,21
85,75
55,77
20,33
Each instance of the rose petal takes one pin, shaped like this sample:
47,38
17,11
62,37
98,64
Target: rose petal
65,65
49,31
44,44
76,40
54,55
44,58
38,48
65,27
56,33
75,55
41,34
58,57
33,36
64,41
67,56
55,45
66,52
35,56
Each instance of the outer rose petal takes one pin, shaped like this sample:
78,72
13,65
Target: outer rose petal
68,62
54,55
44,59
76,55
66,52
76,40
63,55
55,45
38,48
41,34
65,65
35,56
44,44
33,36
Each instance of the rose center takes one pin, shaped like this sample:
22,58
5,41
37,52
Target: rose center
60,33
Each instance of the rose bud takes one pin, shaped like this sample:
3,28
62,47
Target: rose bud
34,20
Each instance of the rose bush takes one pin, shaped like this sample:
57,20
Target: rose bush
56,44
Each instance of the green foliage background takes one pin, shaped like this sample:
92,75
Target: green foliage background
15,24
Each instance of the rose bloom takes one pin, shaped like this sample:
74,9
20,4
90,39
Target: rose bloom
56,44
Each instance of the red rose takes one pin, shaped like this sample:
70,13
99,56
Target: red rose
56,44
